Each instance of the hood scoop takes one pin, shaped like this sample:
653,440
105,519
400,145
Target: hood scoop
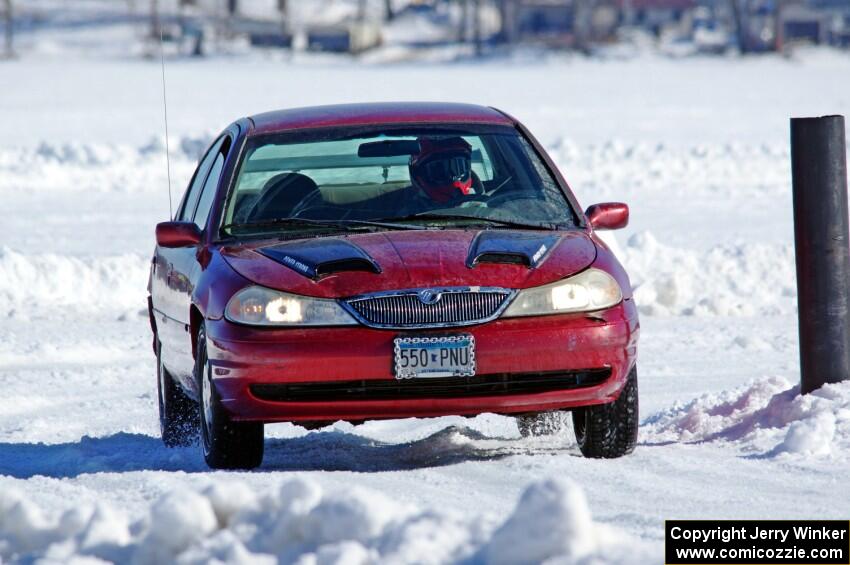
320,257
510,247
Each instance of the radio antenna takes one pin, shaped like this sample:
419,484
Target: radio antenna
165,115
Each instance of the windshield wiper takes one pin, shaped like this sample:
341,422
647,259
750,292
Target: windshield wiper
480,219
342,224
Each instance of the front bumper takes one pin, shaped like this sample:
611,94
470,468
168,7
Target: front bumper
244,356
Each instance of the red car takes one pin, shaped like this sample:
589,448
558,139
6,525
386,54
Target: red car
369,261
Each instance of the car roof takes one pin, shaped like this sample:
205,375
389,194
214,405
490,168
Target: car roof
376,113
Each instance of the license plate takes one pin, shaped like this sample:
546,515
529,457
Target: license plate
432,357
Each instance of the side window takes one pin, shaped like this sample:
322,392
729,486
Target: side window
208,192
190,201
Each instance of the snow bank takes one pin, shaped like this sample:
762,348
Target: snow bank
87,167
46,284
726,280
595,171
302,523
716,169
768,417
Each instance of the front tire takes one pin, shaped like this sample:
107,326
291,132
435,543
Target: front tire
178,414
226,444
609,430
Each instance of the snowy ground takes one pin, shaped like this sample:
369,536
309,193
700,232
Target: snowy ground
699,150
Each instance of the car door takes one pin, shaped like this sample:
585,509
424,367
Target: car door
172,298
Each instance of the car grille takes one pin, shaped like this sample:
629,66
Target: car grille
449,387
453,307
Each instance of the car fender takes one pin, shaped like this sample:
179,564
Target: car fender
216,285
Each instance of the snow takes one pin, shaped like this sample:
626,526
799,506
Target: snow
39,284
302,523
552,519
768,418
697,147
727,280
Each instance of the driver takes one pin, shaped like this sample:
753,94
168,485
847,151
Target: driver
442,169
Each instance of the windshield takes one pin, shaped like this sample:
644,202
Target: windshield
393,178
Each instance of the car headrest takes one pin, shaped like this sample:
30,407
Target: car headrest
280,195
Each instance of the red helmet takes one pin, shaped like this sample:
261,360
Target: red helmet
443,167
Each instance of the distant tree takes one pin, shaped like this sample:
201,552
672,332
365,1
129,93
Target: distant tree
9,22
463,24
508,17
154,18
476,28
738,7
778,31
582,22
389,13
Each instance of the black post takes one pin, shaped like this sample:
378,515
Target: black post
819,172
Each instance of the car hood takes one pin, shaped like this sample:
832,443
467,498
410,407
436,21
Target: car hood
354,264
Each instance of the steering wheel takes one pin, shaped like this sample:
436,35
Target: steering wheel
499,199
305,204
491,199
477,184
500,187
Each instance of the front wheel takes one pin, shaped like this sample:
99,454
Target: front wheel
227,444
609,430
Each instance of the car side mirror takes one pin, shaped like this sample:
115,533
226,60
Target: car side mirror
608,216
177,234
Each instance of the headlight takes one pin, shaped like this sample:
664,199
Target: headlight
258,306
591,290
